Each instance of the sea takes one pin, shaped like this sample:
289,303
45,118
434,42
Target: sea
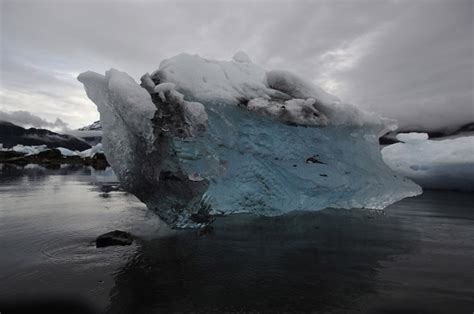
416,256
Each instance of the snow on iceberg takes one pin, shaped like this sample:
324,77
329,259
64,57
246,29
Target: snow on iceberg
202,137
434,164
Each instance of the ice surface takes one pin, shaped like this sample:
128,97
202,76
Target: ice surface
67,152
91,151
440,164
223,140
237,82
29,150
210,81
412,137
36,149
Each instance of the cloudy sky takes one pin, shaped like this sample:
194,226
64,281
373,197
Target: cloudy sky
409,60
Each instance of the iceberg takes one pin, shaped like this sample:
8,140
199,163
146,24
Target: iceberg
88,153
200,137
29,150
434,164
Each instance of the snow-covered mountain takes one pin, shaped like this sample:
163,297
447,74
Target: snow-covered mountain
95,126
12,134
92,133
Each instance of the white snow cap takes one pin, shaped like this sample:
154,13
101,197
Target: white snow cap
208,81
240,81
241,57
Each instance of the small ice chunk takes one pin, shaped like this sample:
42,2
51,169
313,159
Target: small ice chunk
412,137
195,177
29,150
67,152
92,151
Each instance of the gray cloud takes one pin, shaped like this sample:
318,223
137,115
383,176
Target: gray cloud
27,119
409,60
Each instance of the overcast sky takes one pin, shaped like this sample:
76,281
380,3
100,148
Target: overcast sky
409,60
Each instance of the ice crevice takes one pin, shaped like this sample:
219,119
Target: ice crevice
200,137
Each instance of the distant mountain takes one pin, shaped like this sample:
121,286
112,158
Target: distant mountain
96,126
465,129
11,135
92,134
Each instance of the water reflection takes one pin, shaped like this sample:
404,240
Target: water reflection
300,262
48,222
417,257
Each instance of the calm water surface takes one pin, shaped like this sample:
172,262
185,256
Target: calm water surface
415,257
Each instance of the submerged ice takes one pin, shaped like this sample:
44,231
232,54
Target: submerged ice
200,137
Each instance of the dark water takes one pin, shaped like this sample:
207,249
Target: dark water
415,257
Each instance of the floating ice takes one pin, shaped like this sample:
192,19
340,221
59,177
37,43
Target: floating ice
29,150
90,152
434,164
230,137
412,137
67,152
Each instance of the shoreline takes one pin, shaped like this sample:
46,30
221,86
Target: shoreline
53,159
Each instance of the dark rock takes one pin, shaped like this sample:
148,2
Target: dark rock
99,162
156,78
201,218
208,229
314,160
53,165
50,154
73,160
21,161
116,237
387,140
7,155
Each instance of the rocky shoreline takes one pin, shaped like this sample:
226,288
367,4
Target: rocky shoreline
53,159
